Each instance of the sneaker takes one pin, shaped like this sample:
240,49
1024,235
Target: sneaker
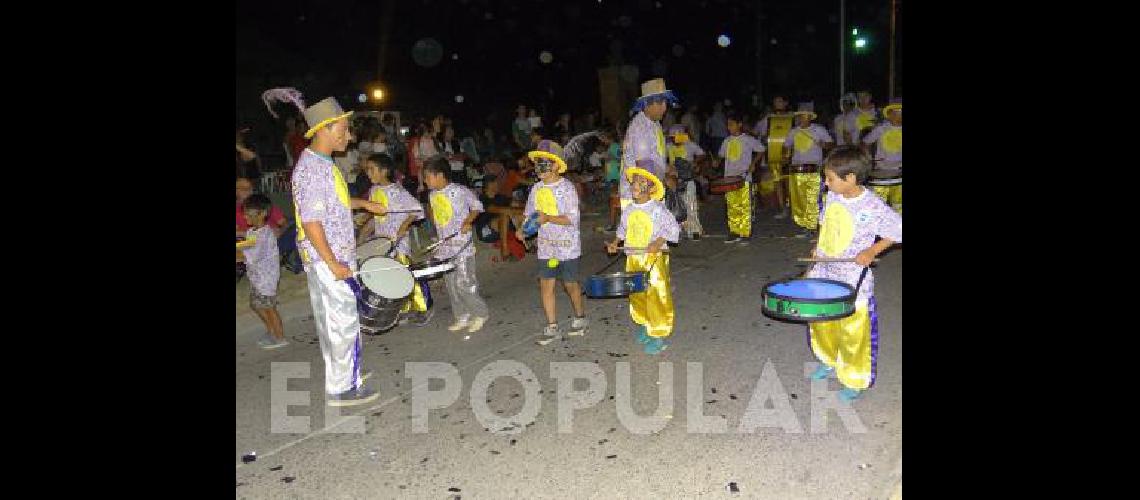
655,345
361,395
733,240
421,319
269,342
848,395
550,334
822,372
476,325
781,215
458,325
578,326
746,240
642,334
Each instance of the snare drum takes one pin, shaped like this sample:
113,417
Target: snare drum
614,285
808,300
386,286
884,177
432,269
378,246
722,185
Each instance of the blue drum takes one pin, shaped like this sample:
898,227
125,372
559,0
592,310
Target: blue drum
531,225
808,300
615,285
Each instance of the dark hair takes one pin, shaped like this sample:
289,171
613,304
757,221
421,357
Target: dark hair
538,131
845,160
734,116
438,164
384,163
256,202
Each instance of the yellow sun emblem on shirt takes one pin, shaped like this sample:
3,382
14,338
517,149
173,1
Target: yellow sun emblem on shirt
638,229
837,231
380,197
892,140
734,149
803,141
441,209
545,202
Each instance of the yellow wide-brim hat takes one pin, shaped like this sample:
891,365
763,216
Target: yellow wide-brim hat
659,191
550,150
806,108
323,113
895,104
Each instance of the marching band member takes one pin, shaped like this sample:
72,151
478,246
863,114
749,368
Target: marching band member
385,191
736,150
645,226
770,129
851,219
454,209
644,142
683,154
887,138
805,154
555,201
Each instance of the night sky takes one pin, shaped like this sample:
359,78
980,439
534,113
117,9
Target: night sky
335,48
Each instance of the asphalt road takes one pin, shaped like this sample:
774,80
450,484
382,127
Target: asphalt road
721,336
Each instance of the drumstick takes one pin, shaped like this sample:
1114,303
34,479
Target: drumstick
382,269
641,249
826,259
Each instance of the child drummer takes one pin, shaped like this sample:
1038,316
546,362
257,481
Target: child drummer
737,151
887,138
454,209
851,219
394,226
555,201
645,226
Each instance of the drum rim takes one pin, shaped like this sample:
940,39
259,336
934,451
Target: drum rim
850,297
366,287
802,319
618,274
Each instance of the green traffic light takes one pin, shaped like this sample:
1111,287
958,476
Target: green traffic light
854,31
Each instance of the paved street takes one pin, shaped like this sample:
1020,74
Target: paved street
719,325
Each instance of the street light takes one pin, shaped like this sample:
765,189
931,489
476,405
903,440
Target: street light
378,94
860,43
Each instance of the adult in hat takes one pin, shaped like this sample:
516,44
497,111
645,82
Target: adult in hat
887,138
806,143
325,238
553,204
644,140
646,225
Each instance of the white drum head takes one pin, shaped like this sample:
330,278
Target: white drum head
386,277
373,247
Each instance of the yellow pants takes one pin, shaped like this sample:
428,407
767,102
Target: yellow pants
849,345
890,194
418,302
804,197
653,307
739,205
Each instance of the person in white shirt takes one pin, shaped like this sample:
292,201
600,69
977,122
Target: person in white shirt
804,147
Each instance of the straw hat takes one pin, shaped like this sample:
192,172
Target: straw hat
550,150
659,189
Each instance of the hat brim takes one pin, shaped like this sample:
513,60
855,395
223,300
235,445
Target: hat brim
534,155
315,128
659,193
891,107
813,115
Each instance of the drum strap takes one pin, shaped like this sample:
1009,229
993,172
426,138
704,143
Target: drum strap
861,276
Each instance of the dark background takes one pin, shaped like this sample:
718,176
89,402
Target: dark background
337,48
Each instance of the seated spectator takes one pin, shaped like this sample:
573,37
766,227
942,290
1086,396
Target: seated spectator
497,223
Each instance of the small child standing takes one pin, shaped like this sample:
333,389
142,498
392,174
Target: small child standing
555,201
737,150
454,209
851,219
645,227
683,154
263,267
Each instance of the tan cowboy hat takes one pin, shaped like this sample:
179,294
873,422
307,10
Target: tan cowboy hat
806,108
322,114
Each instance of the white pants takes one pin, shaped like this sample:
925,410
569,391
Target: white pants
338,326
463,289
692,224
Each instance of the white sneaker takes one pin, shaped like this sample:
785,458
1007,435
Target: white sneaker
781,215
578,327
550,334
476,325
733,240
458,325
